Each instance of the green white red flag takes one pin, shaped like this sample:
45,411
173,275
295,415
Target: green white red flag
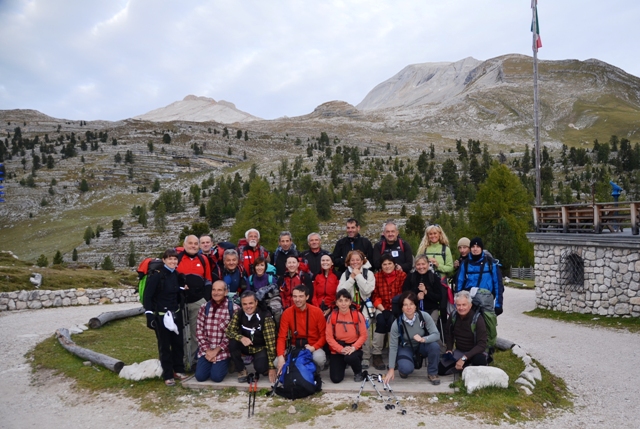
535,26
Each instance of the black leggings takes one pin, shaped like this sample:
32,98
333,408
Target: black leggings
449,366
338,363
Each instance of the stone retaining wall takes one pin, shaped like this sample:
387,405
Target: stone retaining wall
35,299
611,282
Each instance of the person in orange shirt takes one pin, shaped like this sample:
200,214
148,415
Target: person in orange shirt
346,333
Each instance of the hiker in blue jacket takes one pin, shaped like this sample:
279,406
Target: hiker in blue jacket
480,275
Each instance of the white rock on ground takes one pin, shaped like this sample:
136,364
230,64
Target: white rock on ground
477,377
139,371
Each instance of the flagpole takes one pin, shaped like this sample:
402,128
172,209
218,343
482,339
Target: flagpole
536,106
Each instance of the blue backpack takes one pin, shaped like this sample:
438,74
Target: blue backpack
298,378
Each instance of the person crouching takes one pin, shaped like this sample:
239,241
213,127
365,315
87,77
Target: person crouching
346,333
413,337
253,333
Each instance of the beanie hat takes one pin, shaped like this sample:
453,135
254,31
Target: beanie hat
464,241
476,241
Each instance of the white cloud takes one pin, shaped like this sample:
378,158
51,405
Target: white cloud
271,58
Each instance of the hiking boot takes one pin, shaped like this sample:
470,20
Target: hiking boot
434,379
378,363
365,364
402,375
180,376
358,378
170,382
243,376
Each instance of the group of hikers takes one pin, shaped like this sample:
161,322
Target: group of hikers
216,307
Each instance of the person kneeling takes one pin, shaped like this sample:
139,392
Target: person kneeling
345,341
213,344
414,338
465,328
252,332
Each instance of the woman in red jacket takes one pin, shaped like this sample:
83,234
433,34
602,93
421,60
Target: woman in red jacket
325,285
292,278
346,333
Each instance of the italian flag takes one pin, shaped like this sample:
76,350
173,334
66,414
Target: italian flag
534,21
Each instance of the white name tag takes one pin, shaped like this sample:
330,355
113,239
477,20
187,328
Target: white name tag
394,253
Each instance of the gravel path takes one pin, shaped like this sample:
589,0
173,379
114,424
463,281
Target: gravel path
600,367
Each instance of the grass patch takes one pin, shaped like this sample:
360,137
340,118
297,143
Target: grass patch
631,324
15,274
521,284
494,404
307,410
128,340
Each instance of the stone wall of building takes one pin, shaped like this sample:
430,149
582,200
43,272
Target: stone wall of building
610,284
34,299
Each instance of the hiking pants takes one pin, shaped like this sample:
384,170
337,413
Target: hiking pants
216,372
170,349
338,364
260,360
192,311
405,358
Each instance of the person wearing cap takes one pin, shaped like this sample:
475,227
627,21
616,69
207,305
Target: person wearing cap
463,249
480,275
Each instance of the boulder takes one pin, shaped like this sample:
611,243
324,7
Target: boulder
139,371
477,377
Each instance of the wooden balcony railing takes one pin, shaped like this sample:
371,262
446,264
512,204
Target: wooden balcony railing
588,218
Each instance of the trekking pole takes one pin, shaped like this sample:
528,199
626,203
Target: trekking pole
378,377
186,336
250,380
387,386
255,392
365,376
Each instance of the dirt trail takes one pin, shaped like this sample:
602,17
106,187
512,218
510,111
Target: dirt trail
599,365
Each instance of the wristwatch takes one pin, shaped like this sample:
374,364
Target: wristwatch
463,358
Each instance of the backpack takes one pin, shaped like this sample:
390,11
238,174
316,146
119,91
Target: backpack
298,378
268,296
207,308
474,322
384,245
146,267
333,319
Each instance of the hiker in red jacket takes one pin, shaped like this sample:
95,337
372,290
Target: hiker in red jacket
249,249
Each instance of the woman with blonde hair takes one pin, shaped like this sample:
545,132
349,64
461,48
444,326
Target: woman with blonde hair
435,245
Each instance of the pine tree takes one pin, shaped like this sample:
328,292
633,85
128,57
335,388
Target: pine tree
323,205
42,261
74,255
258,211
143,216
84,186
160,218
358,208
57,258
302,222
156,186
107,264
131,259
88,235
116,228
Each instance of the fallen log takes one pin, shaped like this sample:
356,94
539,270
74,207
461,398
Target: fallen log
504,344
104,318
97,358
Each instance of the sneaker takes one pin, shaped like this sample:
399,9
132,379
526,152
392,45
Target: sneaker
365,364
434,379
170,382
403,375
378,363
180,376
358,378
243,376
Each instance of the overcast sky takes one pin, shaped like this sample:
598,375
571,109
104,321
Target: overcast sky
80,59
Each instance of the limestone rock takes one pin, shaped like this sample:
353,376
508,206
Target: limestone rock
139,371
477,377
525,382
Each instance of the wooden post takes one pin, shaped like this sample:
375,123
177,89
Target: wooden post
103,360
102,319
